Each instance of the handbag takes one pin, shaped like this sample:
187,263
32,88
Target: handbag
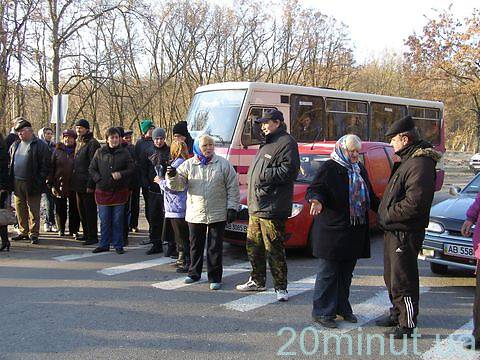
7,217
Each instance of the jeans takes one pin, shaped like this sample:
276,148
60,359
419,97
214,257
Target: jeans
111,225
332,288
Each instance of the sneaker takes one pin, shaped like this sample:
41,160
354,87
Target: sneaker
61,233
282,295
47,228
134,230
189,280
386,321
250,285
34,240
120,251
350,318
53,228
400,332
328,323
100,249
215,286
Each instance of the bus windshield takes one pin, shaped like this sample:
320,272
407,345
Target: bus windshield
215,113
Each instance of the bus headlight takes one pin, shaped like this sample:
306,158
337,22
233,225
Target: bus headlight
296,209
435,227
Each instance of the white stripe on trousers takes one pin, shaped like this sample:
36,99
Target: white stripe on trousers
409,309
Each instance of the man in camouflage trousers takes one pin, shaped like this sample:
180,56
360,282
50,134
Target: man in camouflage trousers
270,193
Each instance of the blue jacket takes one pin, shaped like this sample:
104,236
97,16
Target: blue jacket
175,202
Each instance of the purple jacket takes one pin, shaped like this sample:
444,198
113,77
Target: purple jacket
473,214
175,202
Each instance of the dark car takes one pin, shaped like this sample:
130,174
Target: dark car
444,244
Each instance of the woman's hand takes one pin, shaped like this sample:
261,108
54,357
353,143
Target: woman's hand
467,228
316,207
157,180
116,175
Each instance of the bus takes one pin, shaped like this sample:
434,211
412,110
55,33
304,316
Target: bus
227,111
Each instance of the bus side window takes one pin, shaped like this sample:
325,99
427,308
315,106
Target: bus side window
428,123
306,118
252,132
346,117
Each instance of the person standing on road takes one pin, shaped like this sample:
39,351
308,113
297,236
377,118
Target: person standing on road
59,181
46,134
473,218
4,191
180,133
403,214
82,183
340,197
134,202
212,200
270,194
28,171
111,169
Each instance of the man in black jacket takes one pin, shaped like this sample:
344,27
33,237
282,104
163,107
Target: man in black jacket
404,214
28,171
82,183
270,193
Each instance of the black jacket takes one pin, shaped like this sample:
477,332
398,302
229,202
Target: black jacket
332,235
271,177
38,162
154,157
143,147
3,164
87,145
135,177
107,161
406,203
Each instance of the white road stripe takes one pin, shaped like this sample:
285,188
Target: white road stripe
263,298
90,254
451,348
178,283
121,269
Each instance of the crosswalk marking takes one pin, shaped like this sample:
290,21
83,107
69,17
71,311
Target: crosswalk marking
121,269
179,283
90,254
452,346
263,298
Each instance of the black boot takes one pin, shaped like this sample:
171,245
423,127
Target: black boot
155,249
5,245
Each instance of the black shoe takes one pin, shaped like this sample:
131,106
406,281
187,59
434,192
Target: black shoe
61,233
182,270
89,242
5,245
400,332
34,240
79,237
471,346
100,249
155,250
146,242
328,323
20,237
120,251
386,321
350,318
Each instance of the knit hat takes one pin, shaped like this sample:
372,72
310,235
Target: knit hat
69,132
181,128
401,126
145,125
127,133
83,123
158,133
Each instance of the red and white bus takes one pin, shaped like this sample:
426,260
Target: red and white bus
313,115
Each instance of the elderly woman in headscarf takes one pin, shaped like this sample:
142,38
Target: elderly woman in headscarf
212,201
340,197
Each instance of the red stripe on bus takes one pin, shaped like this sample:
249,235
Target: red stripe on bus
242,169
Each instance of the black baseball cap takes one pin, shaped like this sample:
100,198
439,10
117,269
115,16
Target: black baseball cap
272,114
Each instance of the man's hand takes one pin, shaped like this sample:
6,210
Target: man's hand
171,171
467,228
231,215
316,207
116,175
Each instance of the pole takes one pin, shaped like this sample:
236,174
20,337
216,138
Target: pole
58,124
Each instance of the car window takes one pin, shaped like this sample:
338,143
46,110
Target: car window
473,187
309,166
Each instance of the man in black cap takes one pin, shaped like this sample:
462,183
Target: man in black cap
270,194
28,171
82,183
403,214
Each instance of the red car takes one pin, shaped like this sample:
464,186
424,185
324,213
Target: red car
378,160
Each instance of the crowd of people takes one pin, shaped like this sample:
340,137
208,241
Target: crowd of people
190,194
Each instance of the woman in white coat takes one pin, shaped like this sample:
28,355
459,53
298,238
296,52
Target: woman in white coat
212,200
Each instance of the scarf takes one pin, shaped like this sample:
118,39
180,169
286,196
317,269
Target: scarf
198,152
357,190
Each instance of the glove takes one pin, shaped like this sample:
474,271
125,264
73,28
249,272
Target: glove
171,171
231,215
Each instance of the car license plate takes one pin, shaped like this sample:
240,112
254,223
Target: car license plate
242,228
458,250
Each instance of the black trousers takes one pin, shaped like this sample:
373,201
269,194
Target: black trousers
134,208
156,217
4,228
126,218
401,275
87,209
212,236
146,199
64,206
181,233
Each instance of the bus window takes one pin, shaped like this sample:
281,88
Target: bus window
252,132
306,116
383,115
428,123
346,117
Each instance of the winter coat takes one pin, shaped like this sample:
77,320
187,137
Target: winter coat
38,164
153,158
107,161
135,178
61,171
86,147
332,235
175,202
473,214
3,164
407,199
271,177
143,147
211,189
